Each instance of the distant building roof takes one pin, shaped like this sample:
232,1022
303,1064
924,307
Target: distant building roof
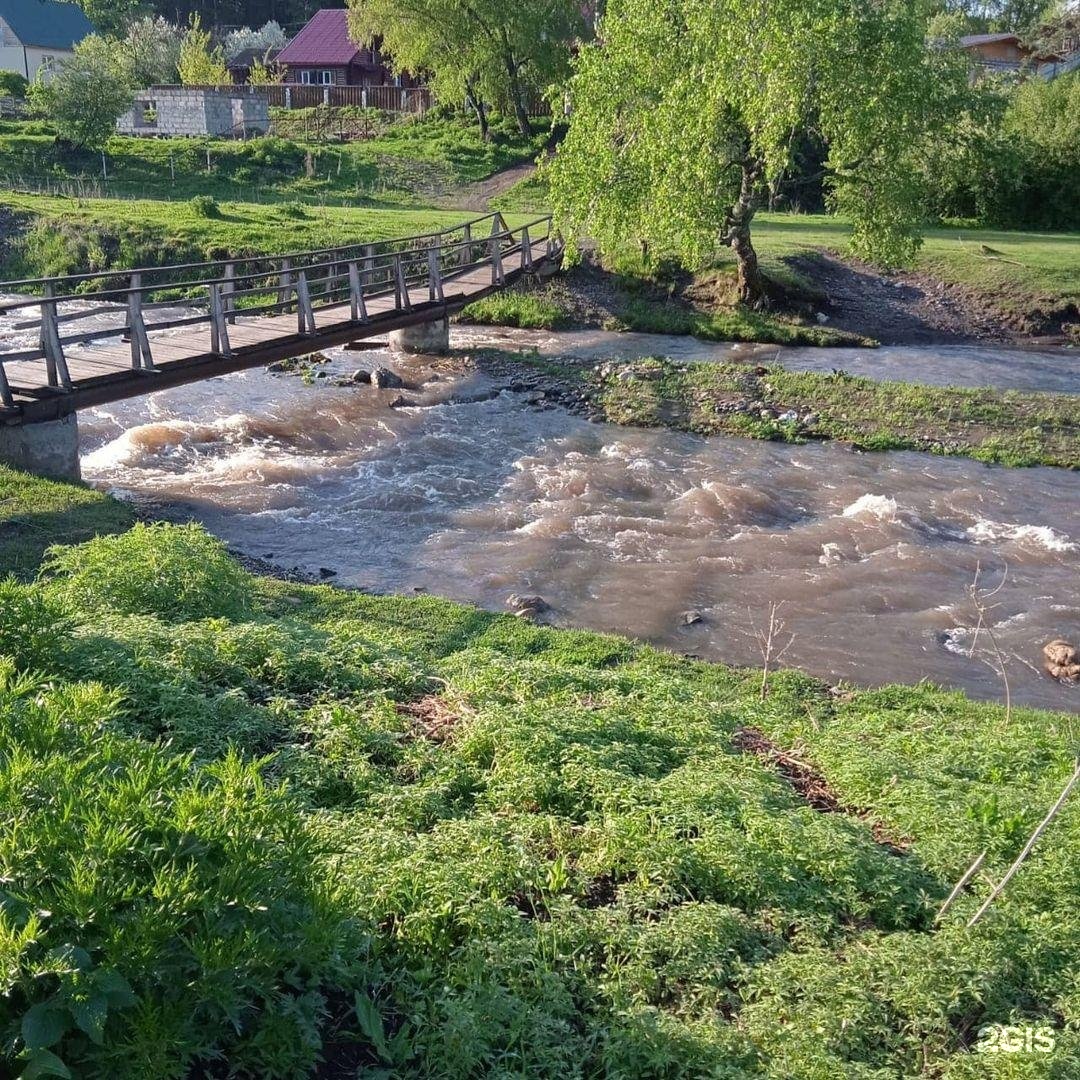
246,58
48,24
325,40
973,40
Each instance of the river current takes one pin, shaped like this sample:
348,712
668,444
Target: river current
470,491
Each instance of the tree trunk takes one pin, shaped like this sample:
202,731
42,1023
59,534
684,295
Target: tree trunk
751,283
475,102
517,93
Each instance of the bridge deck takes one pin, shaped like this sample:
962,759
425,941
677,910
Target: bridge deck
102,371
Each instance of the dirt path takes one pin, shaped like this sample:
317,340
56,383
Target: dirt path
902,308
479,195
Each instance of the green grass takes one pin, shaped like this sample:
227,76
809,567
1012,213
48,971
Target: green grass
67,236
407,161
1000,427
731,324
1026,269
35,513
413,839
525,311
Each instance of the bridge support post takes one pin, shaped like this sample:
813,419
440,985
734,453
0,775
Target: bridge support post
47,449
427,339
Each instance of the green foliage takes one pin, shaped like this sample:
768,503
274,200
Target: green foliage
523,310
488,848
205,206
481,53
88,93
174,572
153,913
12,84
33,628
683,113
35,513
1021,167
112,16
152,48
199,64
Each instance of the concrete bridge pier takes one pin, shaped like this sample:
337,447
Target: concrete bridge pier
425,339
47,449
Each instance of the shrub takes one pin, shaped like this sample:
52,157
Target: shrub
12,84
1019,165
205,206
177,572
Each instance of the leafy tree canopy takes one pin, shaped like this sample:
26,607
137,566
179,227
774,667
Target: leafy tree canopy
86,95
685,110
477,51
199,63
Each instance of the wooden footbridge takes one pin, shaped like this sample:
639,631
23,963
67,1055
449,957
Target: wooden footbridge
164,326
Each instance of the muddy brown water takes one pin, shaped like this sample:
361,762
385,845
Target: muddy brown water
473,493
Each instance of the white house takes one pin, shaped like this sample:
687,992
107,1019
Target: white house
36,34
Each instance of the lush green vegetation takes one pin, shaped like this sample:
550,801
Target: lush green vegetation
406,163
1017,162
685,114
66,236
1027,276
1002,427
734,323
252,825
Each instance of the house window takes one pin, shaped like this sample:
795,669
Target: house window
310,77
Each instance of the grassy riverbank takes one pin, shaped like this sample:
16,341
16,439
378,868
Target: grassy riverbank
260,826
50,235
1001,427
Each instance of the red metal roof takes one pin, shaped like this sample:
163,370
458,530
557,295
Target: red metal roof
325,40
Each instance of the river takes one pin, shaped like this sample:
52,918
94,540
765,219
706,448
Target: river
472,492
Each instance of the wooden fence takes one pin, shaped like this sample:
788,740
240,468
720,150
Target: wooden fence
392,99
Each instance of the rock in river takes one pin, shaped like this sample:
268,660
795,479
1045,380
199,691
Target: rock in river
385,379
527,607
1061,661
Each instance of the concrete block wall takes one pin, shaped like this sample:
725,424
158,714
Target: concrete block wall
193,110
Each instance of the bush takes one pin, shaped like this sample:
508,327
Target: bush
12,84
205,206
177,572
1018,166
32,626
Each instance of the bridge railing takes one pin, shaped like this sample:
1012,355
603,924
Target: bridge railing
142,302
